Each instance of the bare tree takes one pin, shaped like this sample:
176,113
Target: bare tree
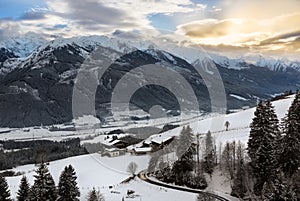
132,168
227,159
220,155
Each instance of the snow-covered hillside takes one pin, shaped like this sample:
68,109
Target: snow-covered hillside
102,172
239,124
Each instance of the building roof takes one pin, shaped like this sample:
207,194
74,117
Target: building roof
113,149
161,139
113,142
144,149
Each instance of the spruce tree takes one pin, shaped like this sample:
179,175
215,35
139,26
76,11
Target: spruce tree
43,188
262,144
209,164
209,159
279,189
24,190
275,134
153,162
290,155
186,138
256,131
67,186
239,188
209,146
92,196
296,182
4,190
95,196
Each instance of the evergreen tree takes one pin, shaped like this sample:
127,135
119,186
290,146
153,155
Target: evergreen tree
239,188
24,190
92,196
275,134
209,164
296,182
67,187
290,155
186,138
262,145
209,146
279,189
95,196
205,197
185,163
188,158
209,159
183,166
256,132
153,162
43,188
4,190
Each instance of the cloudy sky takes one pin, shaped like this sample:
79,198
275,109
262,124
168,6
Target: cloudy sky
229,26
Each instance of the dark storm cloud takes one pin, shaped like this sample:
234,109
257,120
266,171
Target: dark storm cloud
92,12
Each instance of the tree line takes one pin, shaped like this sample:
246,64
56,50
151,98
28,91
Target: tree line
18,153
274,151
44,189
268,169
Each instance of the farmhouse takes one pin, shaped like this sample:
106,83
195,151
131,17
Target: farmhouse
152,144
118,144
160,141
113,152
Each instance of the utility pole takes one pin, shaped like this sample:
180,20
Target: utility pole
198,157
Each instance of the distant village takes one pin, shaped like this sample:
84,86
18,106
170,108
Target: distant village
120,147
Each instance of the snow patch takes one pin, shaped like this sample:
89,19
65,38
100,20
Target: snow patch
238,97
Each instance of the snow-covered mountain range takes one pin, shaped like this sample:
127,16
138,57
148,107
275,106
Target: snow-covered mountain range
38,75
25,45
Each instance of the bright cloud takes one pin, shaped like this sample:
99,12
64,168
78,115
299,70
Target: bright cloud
264,26
224,25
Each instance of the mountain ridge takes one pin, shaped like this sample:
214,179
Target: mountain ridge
38,89
23,46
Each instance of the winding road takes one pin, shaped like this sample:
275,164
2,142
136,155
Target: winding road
143,175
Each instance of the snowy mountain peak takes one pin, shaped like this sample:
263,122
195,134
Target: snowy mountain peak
23,46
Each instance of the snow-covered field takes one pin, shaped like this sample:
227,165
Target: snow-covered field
103,172
92,171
